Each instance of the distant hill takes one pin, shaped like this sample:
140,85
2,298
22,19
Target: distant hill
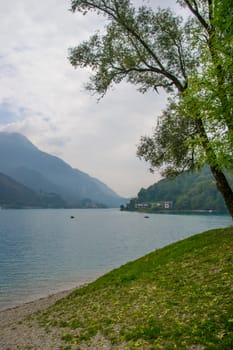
42,172
16,195
187,192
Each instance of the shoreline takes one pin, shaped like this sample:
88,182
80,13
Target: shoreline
18,312
18,331
36,297
52,291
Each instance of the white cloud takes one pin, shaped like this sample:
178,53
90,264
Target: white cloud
53,109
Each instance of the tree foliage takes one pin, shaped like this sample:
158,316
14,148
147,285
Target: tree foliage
173,147
146,48
190,58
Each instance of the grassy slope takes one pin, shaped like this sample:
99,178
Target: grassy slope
178,297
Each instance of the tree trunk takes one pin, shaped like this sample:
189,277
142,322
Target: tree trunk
224,187
220,178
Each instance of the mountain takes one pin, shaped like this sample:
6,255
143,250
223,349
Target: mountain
187,192
42,172
13,193
16,195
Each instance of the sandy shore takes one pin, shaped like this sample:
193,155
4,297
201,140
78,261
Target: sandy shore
16,332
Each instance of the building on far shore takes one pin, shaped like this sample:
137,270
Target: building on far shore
142,205
154,205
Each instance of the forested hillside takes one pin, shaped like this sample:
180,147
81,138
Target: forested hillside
188,191
15,195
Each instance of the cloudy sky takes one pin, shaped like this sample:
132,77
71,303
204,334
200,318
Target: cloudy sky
43,97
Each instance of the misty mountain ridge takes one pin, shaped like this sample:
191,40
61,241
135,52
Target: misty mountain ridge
15,195
42,172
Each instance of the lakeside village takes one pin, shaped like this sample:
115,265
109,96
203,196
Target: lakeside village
154,205
144,206
159,207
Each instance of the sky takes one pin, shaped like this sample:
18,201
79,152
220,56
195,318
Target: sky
43,97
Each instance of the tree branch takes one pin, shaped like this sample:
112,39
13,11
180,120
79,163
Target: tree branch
195,11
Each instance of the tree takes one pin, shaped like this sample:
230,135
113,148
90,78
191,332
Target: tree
180,142
190,59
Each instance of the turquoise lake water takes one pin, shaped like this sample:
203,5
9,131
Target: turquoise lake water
45,251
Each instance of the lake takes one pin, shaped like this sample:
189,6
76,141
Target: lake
45,251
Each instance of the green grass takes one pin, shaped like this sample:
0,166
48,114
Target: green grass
178,297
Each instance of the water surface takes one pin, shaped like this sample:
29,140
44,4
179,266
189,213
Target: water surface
45,251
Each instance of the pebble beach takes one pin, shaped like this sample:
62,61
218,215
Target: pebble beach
17,332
